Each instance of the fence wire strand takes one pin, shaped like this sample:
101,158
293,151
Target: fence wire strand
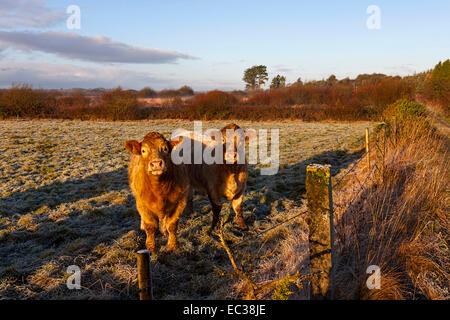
352,169
271,228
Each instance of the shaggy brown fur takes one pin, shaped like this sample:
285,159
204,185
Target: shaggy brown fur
160,187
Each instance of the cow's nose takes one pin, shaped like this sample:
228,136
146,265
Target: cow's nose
157,164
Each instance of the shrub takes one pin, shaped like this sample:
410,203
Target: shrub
76,99
384,92
404,109
23,101
214,104
181,92
437,86
118,104
147,92
438,83
185,91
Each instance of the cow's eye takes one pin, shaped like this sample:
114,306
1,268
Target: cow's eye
144,151
165,149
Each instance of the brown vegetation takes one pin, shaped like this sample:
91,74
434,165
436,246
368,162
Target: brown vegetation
362,98
399,220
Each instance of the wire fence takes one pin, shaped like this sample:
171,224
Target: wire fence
257,235
305,210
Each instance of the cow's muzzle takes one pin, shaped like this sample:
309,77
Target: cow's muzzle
157,167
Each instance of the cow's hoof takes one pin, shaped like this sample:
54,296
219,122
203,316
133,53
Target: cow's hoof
171,247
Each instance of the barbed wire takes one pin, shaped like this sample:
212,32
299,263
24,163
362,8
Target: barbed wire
258,234
305,210
352,168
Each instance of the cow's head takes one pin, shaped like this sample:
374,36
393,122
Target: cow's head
155,152
233,139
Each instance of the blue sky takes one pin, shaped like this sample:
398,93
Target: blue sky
208,44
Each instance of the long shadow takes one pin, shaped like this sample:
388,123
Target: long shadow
23,251
371,239
289,182
70,241
57,193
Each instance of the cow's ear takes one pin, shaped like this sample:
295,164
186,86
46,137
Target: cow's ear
250,134
134,147
174,143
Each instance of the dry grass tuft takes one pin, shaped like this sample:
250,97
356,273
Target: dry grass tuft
400,219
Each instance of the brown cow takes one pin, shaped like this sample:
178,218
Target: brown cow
226,180
160,187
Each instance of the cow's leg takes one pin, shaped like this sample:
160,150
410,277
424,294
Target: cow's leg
162,227
236,203
172,224
216,206
190,202
149,225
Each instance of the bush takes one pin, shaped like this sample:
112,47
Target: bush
76,99
118,104
404,109
23,101
384,92
185,91
437,86
172,93
212,105
147,92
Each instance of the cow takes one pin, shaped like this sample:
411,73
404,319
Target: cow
222,180
161,188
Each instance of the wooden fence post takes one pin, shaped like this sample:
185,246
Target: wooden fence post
321,231
367,148
380,151
144,276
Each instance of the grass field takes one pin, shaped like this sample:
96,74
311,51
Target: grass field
65,200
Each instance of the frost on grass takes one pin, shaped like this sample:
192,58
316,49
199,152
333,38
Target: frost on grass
65,199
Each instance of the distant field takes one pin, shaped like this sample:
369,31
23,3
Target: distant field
65,200
160,102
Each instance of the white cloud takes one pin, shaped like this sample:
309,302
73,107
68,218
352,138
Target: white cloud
283,68
55,76
94,49
28,13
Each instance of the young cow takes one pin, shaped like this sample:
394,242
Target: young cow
223,180
160,187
